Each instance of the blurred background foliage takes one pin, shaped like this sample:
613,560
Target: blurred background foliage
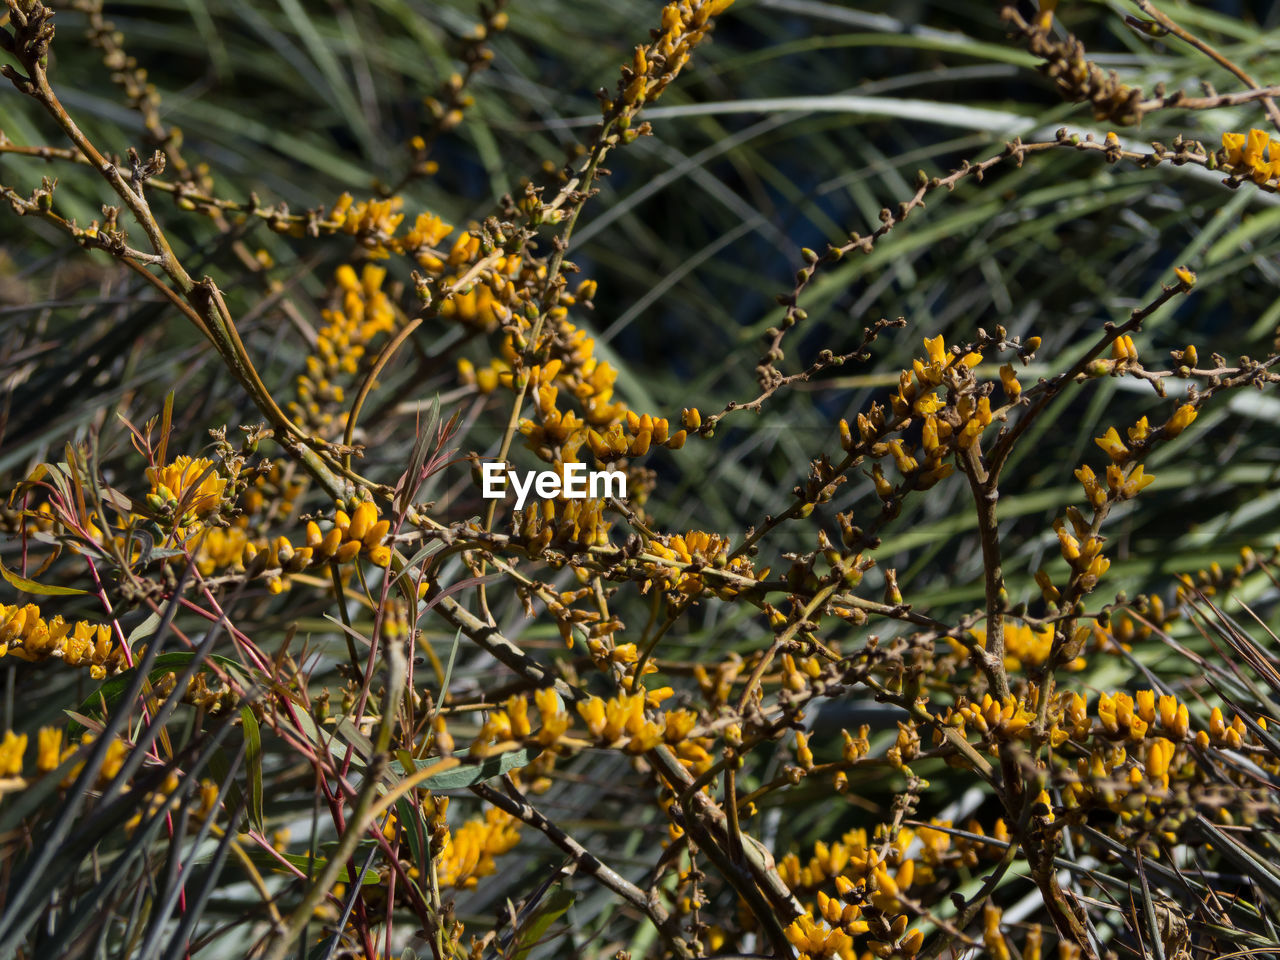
797,125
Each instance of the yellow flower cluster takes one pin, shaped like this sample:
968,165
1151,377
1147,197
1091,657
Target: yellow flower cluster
944,426
1023,646
1111,777
186,493
364,312
270,496
918,397
25,634
1244,155
465,855
273,492
156,800
190,488
814,940
373,222
425,234
362,533
868,880
634,441
1126,484
1132,717
470,851
486,303
606,426
854,857
50,754
1225,734
512,723
1082,550
220,548
1129,766
566,523
117,751
701,549
684,25
620,722
1007,719
213,698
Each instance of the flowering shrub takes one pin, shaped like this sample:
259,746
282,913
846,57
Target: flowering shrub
944,681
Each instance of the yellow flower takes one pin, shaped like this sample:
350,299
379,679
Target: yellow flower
193,484
468,854
1043,798
1181,419
1244,153
48,748
373,222
1113,446
1123,348
1233,143
1023,646
804,755
1136,482
937,350
1092,488
1009,380
11,750
25,634
1045,20
362,532
928,403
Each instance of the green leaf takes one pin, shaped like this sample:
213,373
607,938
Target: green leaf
475,772
363,745
30,586
1247,860
306,725
253,760
556,905
411,818
143,630
317,864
